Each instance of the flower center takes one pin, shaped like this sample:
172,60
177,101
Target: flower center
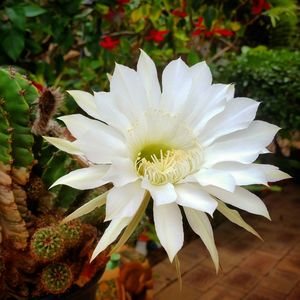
161,164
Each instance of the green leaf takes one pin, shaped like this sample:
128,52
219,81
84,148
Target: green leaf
101,8
209,16
13,44
17,16
32,10
193,58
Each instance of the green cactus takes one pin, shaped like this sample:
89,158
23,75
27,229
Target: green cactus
56,278
5,137
16,157
28,166
71,232
15,86
47,244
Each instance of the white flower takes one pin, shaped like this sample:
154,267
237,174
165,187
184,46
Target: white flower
190,145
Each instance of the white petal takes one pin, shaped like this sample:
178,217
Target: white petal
64,145
129,91
201,225
234,216
237,115
99,142
168,226
242,199
191,195
202,77
242,146
147,71
176,84
124,201
200,108
161,194
86,208
86,101
121,172
272,173
243,174
110,112
215,178
85,178
110,235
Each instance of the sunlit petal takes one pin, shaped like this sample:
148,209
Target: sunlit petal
168,226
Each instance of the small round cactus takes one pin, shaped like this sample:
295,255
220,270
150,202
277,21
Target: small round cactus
56,278
47,244
71,232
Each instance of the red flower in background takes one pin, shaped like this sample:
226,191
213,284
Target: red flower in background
108,43
258,6
223,32
198,32
179,13
122,2
156,35
201,29
199,23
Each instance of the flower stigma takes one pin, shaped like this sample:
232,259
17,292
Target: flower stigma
161,164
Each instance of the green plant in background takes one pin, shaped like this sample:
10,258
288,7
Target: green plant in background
75,43
32,240
284,19
271,77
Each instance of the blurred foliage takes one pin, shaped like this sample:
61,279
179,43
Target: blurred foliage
276,27
270,77
74,43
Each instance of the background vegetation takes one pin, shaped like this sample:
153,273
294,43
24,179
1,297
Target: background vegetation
75,43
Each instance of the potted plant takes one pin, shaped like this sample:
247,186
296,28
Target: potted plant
40,257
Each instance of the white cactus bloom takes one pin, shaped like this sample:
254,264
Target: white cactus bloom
187,144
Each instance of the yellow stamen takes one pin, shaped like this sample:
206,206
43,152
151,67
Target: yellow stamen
170,167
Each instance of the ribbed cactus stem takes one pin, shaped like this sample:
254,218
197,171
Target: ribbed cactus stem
13,226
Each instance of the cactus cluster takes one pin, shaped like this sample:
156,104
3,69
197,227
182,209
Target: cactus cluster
50,243
29,213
